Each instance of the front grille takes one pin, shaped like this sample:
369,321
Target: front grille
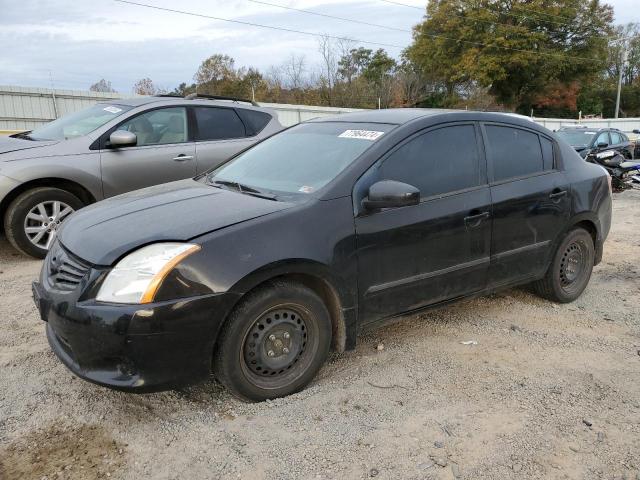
64,271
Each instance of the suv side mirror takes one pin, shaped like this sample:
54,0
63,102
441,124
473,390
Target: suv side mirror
391,194
122,138
602,145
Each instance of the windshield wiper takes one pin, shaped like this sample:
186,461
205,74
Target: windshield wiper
24,135
245,189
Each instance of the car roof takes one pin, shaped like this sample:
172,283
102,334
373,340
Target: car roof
168,100
399,116
590,129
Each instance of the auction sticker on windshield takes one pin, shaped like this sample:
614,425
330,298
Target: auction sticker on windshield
112,109
361,134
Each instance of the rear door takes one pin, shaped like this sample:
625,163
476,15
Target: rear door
419,255
620,143
220,134
164,152
531,204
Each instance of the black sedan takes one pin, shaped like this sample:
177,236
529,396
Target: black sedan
594,140
257,269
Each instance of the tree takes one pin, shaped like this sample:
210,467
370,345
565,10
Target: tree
515,48
145,86
103,86
216,68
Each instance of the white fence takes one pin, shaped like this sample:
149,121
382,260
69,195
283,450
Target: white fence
627,125
26,108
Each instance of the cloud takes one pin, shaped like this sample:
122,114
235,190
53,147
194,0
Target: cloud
81,42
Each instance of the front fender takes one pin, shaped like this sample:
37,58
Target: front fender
83,170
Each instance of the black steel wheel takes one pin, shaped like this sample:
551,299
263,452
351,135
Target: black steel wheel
570,270
274,343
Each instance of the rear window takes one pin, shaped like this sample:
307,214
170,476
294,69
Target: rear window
254,120
218,123
513,152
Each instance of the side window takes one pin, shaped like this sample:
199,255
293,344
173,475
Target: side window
218,123
616,138
254,120
158,127
602,138
547,153
439,161
513,152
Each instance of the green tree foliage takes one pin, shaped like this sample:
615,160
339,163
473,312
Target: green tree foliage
515,48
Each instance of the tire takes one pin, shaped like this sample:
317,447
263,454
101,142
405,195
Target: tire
16,219
570,270
254,366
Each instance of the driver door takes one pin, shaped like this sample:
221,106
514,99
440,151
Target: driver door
414,256
164,152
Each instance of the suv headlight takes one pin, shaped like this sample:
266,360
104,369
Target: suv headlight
138,276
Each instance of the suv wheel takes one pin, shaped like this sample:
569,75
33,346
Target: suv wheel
570,271
34,217
274,343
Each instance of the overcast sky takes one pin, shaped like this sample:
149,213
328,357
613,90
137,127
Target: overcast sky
80,42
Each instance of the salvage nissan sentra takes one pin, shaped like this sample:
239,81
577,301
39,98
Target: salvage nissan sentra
257,269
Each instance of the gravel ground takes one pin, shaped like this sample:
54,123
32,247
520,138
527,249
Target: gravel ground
549,391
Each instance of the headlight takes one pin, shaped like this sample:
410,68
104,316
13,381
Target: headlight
138,276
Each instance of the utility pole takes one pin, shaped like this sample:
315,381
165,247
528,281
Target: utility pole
625,56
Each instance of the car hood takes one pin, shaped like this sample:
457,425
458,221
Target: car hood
177,211
8,144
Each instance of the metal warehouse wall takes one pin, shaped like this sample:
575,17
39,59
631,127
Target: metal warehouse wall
24,108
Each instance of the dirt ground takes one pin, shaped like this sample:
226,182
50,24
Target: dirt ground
549,391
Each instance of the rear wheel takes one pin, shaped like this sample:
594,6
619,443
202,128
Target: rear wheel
570,271
274,343
33,218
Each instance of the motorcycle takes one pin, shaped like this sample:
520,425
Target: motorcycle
624,174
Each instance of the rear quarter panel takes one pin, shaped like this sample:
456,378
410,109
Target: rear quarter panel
590,195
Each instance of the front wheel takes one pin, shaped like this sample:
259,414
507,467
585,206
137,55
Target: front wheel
570,270
274,342
34,217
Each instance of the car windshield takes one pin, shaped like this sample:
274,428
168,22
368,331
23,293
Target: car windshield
79,123
576,138
300,160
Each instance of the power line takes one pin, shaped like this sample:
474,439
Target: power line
403,5
290,30
309,12
511,14
252,24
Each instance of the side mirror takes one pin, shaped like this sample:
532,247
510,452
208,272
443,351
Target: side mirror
602,145
391,194
122,138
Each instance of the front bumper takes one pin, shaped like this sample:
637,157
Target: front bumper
140,348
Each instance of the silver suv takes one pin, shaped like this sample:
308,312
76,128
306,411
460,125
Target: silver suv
112,148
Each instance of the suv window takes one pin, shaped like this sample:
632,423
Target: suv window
514,152
253,120
616,138
158,127
602,138
439,161
218,123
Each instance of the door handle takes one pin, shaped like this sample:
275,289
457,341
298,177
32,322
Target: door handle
557,194
182,157
476,219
